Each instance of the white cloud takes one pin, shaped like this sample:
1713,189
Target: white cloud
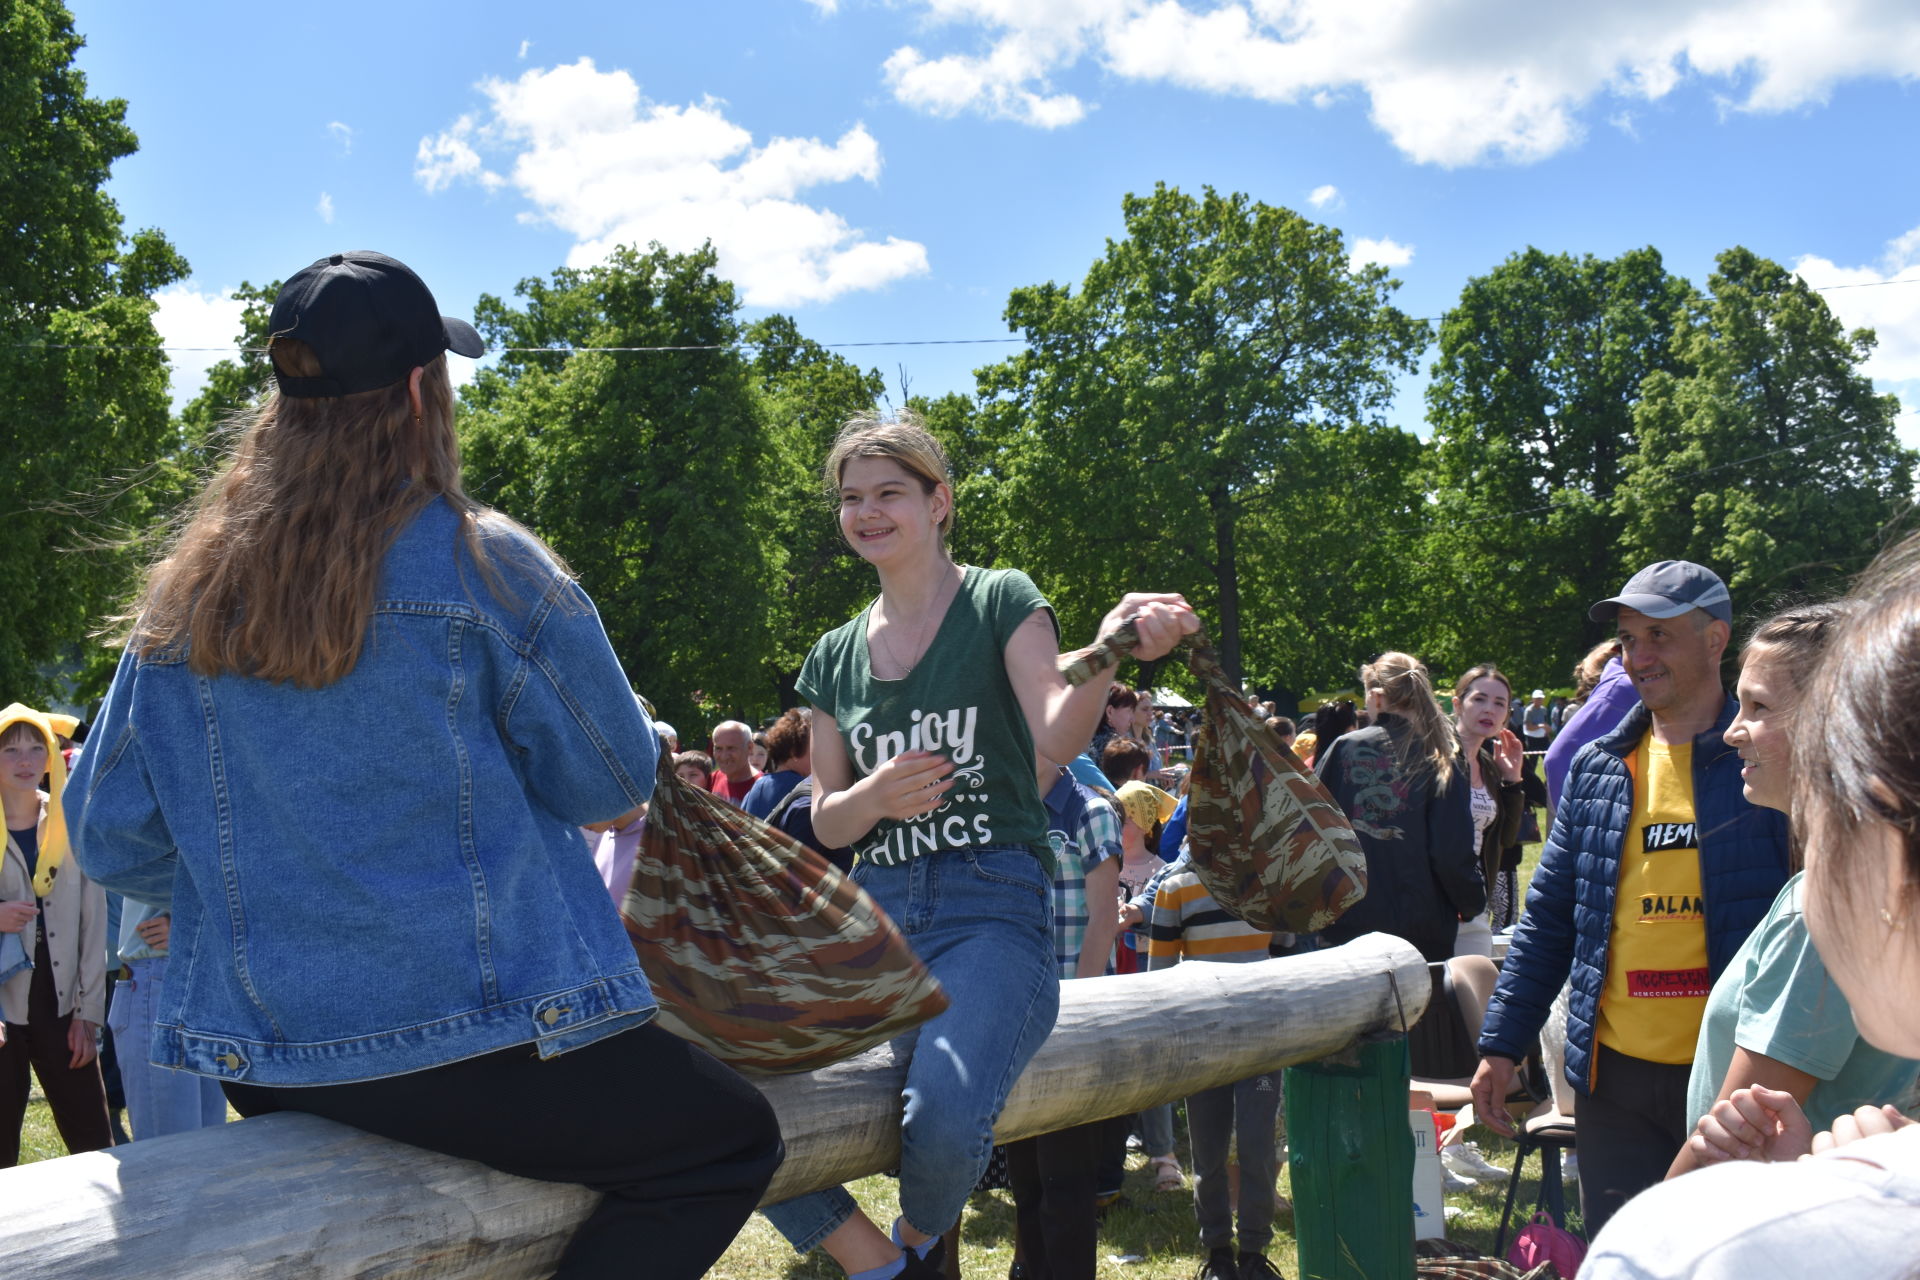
445,159
1870,301
342,134
827,8
596,159
1450,84
1907,425
325,208
1384,251
189,317
524,46
995,86
1886,299
1321,197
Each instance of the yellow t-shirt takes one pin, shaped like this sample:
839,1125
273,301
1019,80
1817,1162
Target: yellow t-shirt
1657,985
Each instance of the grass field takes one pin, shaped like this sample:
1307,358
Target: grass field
1148,1236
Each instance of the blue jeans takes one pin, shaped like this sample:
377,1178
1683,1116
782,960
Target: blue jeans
1156,1130
159,1101
981,920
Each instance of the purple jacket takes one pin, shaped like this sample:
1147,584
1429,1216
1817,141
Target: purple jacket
1604,708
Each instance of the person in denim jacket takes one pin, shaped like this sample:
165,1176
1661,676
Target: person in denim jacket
414,942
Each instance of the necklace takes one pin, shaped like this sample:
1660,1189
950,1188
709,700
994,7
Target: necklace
925,641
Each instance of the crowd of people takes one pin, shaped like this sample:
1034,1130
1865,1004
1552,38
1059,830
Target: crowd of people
1724,1006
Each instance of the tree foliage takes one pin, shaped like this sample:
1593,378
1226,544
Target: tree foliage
83,382
1767,456
648,471
805,394
1207,403
1531,403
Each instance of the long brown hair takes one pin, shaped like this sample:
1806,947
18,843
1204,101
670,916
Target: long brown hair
1408,690
1863,767
273,572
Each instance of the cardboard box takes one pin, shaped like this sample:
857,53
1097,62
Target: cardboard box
1429,1209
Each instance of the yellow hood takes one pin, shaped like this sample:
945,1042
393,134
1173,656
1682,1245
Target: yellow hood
53,841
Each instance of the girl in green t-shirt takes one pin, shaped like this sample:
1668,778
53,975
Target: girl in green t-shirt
930,707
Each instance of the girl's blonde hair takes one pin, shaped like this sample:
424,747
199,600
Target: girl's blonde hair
1402,680
904,439
274,570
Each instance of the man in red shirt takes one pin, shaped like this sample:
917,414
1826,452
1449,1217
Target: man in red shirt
733,773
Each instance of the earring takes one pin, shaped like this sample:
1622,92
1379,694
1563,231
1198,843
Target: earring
1887,918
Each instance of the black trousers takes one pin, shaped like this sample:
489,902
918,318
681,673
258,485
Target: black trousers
682,1146
1630,1128
77,1097
1053,1180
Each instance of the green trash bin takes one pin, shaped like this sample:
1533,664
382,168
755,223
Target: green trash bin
1351,1156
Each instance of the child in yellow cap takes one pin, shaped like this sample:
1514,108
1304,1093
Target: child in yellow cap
53,952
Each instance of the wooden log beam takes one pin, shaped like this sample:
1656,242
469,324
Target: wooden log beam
298,1198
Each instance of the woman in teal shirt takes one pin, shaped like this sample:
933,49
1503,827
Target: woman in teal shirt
1775,1018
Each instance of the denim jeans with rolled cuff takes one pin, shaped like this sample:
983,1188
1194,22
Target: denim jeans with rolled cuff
981,920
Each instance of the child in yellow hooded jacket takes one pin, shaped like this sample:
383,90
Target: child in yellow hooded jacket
53,945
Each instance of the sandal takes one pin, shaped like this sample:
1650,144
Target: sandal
1167,1176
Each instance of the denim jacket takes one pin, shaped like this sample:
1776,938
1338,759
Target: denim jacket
384,874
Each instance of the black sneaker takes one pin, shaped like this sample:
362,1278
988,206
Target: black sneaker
1219,1266
919,1268
1254,1266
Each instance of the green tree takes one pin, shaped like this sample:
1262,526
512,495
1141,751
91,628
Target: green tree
1768,456
1531,404
1195,410
649,470
83,383
806,393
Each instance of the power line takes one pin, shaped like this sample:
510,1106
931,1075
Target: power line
746,346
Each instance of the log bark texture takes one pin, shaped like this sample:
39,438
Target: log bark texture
298,1198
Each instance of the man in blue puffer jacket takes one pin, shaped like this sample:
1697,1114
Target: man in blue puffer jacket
1655,872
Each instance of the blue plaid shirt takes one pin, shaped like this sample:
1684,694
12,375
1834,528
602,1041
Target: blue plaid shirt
1084,830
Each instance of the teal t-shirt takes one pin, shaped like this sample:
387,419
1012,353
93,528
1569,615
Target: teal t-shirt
957,701
1776,999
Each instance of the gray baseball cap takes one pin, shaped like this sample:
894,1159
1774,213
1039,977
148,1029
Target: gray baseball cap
1668,589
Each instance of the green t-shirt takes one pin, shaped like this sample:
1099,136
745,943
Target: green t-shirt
957,701
1776,999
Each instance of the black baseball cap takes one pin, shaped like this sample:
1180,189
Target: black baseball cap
1667,589
369,320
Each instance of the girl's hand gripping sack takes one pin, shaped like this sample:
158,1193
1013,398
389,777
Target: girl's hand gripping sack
1267,840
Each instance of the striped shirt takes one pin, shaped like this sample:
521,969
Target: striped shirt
1185,923
1084,831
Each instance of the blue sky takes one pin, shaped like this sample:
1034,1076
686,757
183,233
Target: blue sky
888,172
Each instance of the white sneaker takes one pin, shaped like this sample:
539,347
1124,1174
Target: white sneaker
1451,1182
1465,1160
1570,1167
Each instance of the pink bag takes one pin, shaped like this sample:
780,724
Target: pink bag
1542,1241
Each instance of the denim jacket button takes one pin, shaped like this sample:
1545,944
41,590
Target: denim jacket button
231,1061
550,1017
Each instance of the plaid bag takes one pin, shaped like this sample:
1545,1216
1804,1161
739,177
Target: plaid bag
1267,840
757,948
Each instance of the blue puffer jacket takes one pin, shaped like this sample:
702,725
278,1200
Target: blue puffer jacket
1569,916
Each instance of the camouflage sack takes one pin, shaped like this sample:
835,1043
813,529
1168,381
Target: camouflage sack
1267,840
757,948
